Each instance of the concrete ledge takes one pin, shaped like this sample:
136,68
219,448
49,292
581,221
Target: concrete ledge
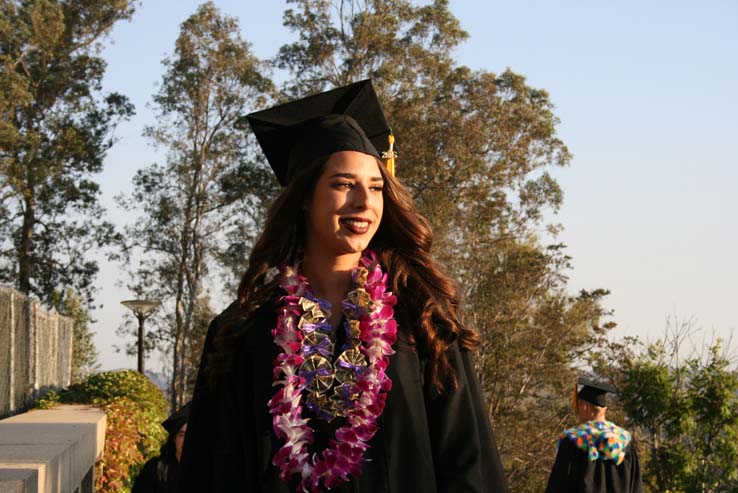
18,481
58,447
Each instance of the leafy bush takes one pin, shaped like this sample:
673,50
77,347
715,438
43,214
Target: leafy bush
122,440
134,407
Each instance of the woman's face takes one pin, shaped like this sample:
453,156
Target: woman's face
346,207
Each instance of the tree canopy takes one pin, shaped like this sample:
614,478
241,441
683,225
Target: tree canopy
55,129
202,205
681,399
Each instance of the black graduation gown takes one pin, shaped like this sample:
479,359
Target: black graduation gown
158,475
573,472
425,442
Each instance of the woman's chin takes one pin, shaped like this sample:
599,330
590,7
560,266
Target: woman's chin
354,247
339,246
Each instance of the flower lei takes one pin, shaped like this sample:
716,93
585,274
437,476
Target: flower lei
360,399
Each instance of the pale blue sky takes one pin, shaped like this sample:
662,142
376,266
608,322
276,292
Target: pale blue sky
647,97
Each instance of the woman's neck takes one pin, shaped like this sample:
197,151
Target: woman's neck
330,278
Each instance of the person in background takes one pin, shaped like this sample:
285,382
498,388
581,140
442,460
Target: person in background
161,474
597,456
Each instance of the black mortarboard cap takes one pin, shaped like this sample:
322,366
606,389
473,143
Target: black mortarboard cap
594,391
174,422
348,118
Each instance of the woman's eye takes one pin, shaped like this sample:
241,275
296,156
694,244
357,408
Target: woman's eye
343,185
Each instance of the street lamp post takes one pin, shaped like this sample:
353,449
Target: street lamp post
142,309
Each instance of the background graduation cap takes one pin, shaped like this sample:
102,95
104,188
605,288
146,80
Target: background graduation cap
174,422
594,391
348,118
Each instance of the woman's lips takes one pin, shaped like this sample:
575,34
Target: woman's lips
356,226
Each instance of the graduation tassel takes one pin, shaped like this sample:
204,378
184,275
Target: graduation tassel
574,400
390,155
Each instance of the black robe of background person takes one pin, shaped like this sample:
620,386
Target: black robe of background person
573,472
158,475
425,442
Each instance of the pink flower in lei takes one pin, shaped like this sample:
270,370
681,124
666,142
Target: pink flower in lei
378,331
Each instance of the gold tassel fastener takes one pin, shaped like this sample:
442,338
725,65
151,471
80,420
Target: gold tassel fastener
389,155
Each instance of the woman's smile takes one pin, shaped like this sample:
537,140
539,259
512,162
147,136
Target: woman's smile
355,225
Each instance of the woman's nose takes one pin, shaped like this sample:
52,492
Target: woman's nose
360,197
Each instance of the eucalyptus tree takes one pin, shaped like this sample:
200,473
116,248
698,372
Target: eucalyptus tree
198,207
56,127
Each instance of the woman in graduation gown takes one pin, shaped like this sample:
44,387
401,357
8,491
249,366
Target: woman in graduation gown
343,365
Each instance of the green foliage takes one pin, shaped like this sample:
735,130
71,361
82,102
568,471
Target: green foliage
55,129
84,353
49,400
134,408
684,409
122,445
531,334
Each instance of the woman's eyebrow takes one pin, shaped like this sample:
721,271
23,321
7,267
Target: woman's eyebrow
352,176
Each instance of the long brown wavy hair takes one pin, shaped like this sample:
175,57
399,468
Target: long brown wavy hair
427,301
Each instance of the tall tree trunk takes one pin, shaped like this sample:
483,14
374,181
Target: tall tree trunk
193,266
183,316
179,324
195,290
179,321
25,264
175,359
